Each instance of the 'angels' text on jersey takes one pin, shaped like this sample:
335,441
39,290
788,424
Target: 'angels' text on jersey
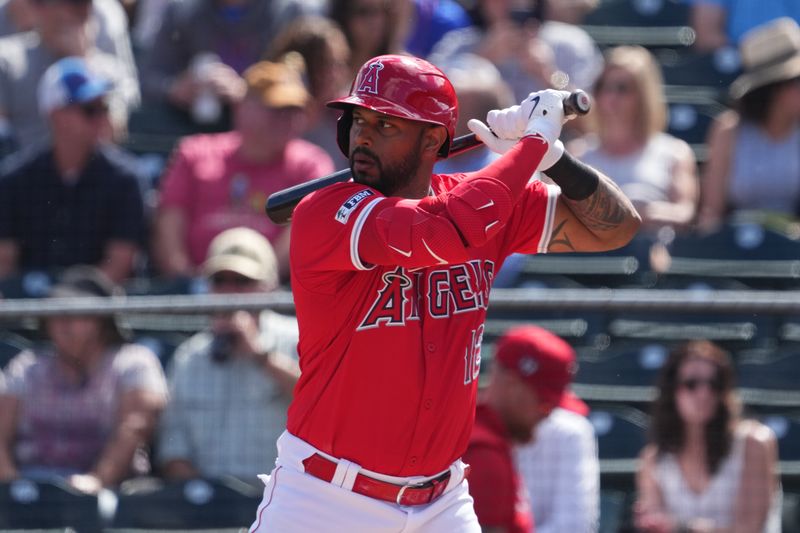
449,290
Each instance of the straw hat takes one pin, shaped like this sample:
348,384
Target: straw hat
770,53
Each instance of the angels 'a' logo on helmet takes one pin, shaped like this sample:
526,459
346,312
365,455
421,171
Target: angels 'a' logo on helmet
369,81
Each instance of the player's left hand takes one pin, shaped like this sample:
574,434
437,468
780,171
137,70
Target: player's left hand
488,137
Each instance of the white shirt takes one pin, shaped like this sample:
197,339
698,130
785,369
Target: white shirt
561,472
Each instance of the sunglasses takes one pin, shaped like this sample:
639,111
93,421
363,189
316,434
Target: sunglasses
692,384
94,109
229,279
618,87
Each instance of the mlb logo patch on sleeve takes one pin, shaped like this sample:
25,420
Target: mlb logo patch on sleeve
343,214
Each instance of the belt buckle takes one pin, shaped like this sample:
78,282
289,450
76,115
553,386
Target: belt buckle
403,489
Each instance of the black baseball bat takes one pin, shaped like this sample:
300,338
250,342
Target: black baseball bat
281,204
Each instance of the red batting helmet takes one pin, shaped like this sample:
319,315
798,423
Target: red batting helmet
400,86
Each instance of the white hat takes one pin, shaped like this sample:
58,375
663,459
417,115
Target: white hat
70,81
770,53
244,251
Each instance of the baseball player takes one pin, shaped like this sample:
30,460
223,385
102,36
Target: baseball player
391,276
530,376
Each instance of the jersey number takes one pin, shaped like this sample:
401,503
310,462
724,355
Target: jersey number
472,356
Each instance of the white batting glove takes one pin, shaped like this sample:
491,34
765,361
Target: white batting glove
490,139
501,146
546,112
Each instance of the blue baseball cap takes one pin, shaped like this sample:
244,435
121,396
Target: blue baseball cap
70,81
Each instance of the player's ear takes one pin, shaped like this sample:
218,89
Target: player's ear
434,138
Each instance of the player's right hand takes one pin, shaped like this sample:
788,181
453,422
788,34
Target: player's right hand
501,146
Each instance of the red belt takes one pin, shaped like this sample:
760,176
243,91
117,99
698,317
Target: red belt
411,494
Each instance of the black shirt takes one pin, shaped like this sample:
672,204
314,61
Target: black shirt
57,223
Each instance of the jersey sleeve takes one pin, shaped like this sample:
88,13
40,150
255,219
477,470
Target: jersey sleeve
353,227
531,225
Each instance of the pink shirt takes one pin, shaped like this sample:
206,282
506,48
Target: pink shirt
217,190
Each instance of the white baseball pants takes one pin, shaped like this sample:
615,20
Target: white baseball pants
296,502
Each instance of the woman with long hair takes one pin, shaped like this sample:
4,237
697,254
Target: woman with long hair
706,468
656,170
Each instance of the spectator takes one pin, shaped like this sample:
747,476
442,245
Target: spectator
222,180
203,46
561,472
216,375
657,171
326,54
753,151
371,28
82,408
531,54
427,21
719,23
530,377
568,11
76,201
480,88
62,28
705,469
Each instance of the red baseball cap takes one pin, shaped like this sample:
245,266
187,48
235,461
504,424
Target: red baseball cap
544,361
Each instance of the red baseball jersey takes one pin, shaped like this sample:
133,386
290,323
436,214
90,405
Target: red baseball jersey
391,304
500,496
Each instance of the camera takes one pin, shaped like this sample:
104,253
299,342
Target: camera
221,347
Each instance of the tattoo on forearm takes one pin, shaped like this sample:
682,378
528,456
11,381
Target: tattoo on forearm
561,239
604,210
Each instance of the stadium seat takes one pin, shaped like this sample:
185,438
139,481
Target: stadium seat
612,510
769,377
750,252
651,23
615,268
733,331
623,372
193,504
621,434
787,429
26,504
712,70
10,345
791,512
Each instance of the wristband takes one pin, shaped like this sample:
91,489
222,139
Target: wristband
577,180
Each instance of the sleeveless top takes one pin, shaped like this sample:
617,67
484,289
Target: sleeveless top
717,502
765,174
644,175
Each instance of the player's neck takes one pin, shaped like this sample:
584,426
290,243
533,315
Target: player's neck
419,186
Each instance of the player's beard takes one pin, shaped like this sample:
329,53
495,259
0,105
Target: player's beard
391,177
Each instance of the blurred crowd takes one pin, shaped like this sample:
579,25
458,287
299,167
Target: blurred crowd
141,139
198,110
